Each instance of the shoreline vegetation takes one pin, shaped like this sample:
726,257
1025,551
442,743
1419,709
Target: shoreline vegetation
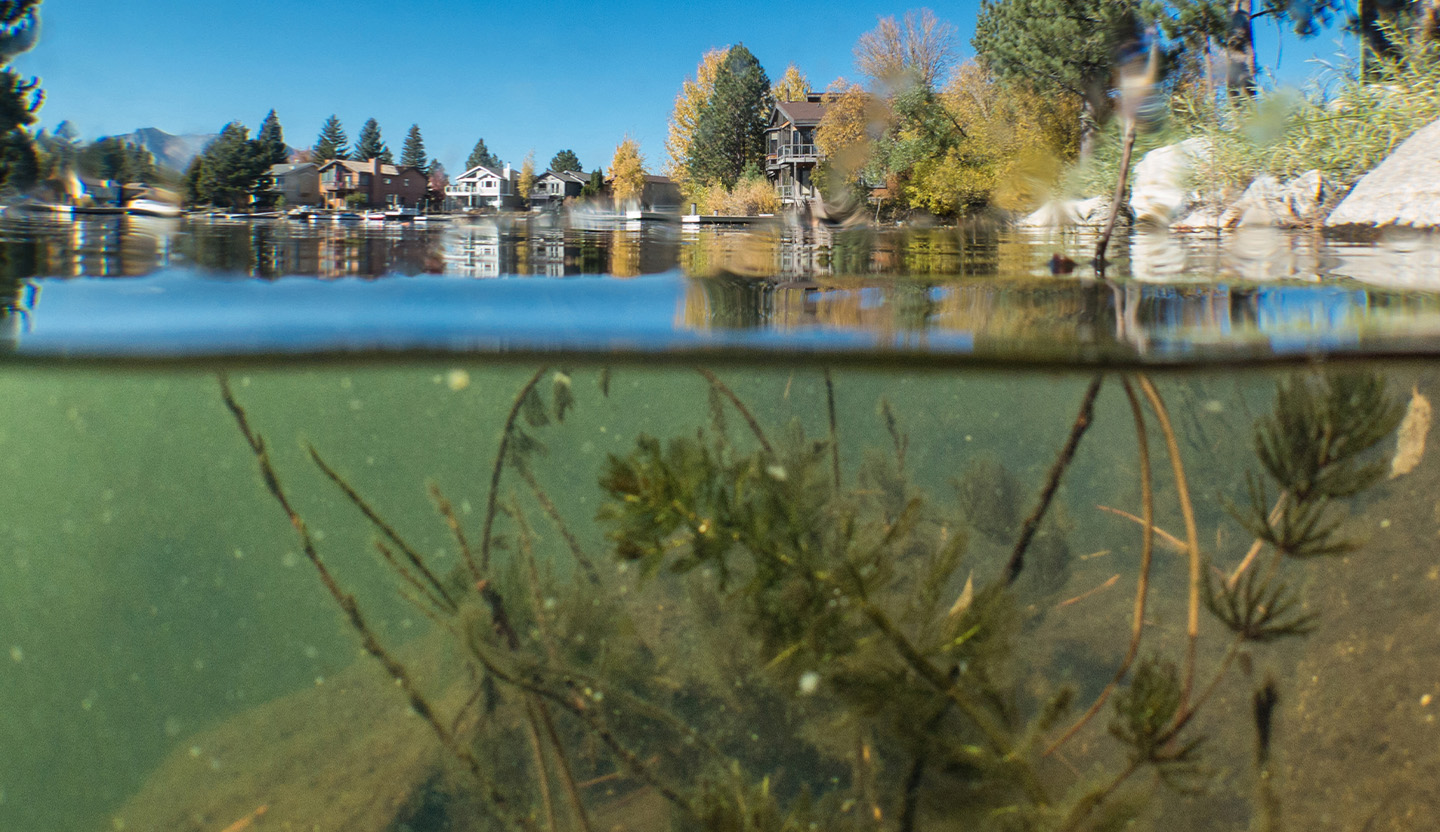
925,133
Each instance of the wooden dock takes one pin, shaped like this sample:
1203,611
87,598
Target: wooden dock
694,220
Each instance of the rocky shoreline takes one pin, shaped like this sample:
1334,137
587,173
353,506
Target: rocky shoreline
1403,191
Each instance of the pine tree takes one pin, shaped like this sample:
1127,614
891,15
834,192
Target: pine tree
730,132
413,153
689,103
1064,47
19,98
481,155
272,140
371,146
232,168
566,160
331,143
596,185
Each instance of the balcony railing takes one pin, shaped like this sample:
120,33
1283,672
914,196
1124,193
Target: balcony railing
797,151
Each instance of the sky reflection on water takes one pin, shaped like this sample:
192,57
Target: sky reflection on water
975,292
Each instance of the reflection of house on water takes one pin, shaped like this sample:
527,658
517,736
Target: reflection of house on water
479,250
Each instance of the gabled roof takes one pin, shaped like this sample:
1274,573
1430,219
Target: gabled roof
481,171
368,167
281,170
799,113
567,176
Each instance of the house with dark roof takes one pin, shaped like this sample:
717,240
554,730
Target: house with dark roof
299,184
484,187
378,184
555,185
790,151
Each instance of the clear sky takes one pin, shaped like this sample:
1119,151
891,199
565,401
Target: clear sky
541,75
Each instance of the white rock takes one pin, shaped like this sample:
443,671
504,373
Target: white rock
1305,197
1065,213
1262,205
1402,190
1161,192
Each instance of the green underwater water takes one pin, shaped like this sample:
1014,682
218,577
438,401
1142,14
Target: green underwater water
153,591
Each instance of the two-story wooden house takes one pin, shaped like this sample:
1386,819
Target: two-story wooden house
484,187
298,183
790,151
554,186
379,185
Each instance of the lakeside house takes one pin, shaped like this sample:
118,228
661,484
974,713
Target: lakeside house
554,186
485,187
660,194
298,184
790,151
379,185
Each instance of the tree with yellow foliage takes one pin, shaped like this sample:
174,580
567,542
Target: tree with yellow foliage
690,101
792,86
526,182
627,172
844,133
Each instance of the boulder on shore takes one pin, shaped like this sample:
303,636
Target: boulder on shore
1161,190
1402,190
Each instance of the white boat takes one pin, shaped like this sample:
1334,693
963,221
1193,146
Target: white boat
151,208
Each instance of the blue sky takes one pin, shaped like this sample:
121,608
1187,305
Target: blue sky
541,76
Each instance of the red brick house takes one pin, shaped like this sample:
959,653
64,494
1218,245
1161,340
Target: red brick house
381,185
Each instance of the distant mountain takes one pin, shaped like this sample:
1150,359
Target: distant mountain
174,152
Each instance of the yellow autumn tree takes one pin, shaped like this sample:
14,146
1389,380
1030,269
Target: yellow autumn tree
688,104
792,86
843,135
627,172
527,176
1014,144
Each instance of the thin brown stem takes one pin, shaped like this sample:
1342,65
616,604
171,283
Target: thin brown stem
385,528
492,502
723,389
452,522
1258,544
1192,536
348,605
834,431
415,583
1103,244
1052,482
1142,584
542,774
553,512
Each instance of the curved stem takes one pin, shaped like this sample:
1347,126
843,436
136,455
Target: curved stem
1192,537
492,502
723,389
1147,547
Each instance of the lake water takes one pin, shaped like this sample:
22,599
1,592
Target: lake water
654,529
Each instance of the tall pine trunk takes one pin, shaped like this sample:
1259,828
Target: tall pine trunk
1240,69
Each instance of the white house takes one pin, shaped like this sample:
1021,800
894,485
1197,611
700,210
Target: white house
485,187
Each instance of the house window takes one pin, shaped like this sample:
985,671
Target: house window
387,180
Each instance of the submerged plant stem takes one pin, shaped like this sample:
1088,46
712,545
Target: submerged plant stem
492,501
1147,547
351,608
724,389
1052,482
1192,537
834,431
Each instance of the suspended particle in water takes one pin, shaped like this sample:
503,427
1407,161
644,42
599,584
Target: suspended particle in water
16,654
173,726
457,380
1214,406
776,472
809,682
289,560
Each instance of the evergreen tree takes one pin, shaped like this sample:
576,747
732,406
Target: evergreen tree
413,154
232,168
19,98
371,146
596,185
1065,47
116,159
272,139
331,142
730,132
566,160
481,155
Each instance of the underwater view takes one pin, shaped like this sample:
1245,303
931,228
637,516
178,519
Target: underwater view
484,594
